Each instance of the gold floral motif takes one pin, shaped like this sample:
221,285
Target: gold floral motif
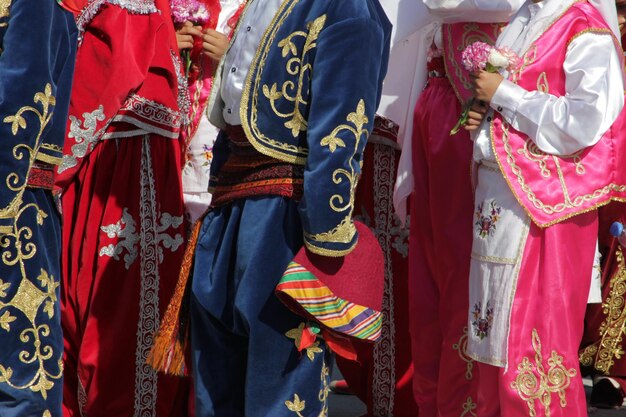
533,383
33,294
344,232
295,66
13,181
5,5
29,299
603,353
297,406
461,348
468,408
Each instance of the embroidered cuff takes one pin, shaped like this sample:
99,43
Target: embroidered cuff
335,243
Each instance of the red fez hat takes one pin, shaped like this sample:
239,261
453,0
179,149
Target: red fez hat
342,296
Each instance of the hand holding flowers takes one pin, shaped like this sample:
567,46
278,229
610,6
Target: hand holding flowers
189,16
484,62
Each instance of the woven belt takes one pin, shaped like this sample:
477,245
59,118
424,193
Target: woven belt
41,175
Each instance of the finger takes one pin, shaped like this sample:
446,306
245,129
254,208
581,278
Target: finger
472,122
214,57
185,45
470,128
193,31
208,47
212,32
475,115
184,38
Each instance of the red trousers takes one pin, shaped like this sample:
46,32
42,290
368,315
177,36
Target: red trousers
122,249
440,248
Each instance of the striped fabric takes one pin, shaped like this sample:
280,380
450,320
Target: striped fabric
349,319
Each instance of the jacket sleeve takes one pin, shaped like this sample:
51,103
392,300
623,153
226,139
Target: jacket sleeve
27,95
347,75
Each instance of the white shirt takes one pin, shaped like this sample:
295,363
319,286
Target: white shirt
406,76
594,89
195,175
255,21
483,11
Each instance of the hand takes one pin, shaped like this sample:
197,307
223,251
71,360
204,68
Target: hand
185,34
476,115
485,85
214,44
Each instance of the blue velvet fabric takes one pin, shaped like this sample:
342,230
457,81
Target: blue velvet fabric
310,99
37,53
31,350
38,49
244,364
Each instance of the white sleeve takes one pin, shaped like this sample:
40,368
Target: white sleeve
485,11
594,98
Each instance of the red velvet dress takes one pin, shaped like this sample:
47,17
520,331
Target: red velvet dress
120,192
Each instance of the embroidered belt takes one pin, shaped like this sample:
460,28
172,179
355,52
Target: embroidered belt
41,175
249,173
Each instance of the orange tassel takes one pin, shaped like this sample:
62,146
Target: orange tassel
169,347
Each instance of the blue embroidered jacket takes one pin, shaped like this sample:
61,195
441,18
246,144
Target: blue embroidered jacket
37,53
310,99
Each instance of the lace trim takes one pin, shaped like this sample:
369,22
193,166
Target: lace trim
91,10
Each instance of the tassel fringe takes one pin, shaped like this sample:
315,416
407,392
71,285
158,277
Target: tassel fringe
172,339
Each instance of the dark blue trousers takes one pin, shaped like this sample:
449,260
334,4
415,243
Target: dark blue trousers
244,363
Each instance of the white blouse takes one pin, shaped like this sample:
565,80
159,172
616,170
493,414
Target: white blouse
594,90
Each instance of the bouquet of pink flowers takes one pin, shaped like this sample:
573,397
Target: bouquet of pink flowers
190,11
480,56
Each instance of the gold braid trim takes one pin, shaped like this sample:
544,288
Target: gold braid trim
533,383
602,354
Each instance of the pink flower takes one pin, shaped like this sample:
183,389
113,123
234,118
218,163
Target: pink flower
514,60
475,56
481,56
189,10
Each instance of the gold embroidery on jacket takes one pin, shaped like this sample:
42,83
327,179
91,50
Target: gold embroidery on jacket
610,346
29,300
278,149
13,181
34,295
344,232
296,67
532,152
530,194
533,383
542,83
5,5
297,406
